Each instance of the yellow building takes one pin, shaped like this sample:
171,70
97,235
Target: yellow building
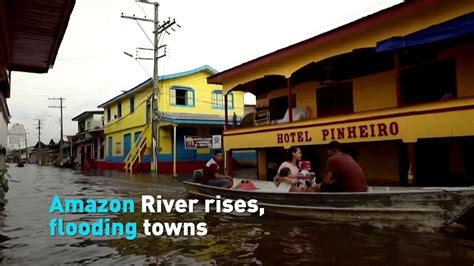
396,88
188,106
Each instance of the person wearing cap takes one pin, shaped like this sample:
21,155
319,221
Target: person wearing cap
212,177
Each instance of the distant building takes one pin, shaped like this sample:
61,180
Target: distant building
88,143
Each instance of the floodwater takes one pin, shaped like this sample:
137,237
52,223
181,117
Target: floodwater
236,240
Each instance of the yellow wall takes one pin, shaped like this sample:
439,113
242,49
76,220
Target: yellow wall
374,92
262,164
202,96
306,96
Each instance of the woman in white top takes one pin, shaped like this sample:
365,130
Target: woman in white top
293,157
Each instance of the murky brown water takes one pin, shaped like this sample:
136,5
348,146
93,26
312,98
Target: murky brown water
267,240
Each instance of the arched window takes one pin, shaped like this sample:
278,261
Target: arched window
182,96
218,100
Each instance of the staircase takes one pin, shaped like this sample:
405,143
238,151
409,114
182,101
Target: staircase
134,157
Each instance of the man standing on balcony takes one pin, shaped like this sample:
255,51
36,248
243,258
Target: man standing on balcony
212,177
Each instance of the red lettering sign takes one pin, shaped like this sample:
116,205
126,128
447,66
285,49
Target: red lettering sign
362,131
300,136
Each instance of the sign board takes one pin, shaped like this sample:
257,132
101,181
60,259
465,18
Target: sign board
197,142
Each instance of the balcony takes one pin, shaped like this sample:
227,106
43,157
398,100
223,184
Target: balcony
448,118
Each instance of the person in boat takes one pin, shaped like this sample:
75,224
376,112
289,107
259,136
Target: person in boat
307,178
211,174
292,159
343,174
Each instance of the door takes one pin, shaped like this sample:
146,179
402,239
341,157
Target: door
127,144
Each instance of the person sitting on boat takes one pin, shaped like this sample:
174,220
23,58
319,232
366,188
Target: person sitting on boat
343,174
307,179
293,157
211,175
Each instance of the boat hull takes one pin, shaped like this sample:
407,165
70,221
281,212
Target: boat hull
420,209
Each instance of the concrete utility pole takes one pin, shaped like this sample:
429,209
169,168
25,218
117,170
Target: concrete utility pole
26,147
38,126
61,107
158,30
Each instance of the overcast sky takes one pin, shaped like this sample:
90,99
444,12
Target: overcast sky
91,68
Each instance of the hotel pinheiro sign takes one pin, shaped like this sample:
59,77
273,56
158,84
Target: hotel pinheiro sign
197,142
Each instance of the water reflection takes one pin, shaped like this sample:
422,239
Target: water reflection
267,240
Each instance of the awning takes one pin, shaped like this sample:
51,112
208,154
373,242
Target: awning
458,27
193,119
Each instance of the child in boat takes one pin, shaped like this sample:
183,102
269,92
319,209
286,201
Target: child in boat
306,178
284,176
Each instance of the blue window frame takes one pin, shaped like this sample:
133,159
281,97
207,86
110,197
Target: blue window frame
182,96
132,104
217,100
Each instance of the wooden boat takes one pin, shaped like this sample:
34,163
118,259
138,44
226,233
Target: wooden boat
424,209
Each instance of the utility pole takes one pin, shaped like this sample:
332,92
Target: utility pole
61,107
38,126
158,30
26,147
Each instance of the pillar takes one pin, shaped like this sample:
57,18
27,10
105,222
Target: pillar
174,150
398,87
290,105
226,112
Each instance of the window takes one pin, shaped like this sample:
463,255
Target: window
335,99
109,115
429,82
119,110
182,96
218,100
132,104
88,127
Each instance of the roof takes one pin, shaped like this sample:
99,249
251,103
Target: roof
86,114
332,35
35,31
148,82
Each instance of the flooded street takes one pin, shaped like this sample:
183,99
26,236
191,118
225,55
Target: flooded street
266,240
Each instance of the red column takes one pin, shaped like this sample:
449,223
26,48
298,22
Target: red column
290,105
396,60
226,112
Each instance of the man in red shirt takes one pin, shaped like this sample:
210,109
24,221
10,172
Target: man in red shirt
343,174
212,177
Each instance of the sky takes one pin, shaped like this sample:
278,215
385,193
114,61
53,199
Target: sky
91,66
